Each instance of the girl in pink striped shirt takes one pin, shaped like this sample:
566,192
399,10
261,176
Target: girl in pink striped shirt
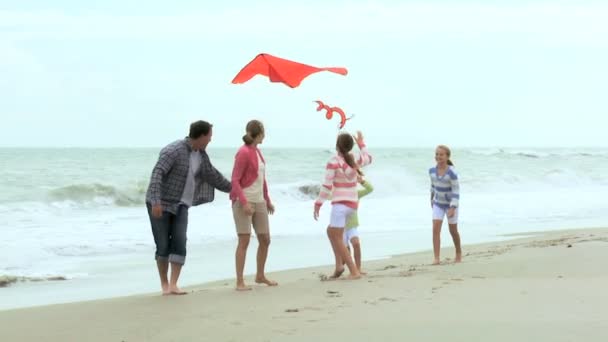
340,183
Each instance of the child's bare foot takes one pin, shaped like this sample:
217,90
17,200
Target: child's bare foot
337,274
458,257
264,280
436,262
174,290
242,287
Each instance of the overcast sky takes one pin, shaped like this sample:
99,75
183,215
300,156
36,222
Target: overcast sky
463,73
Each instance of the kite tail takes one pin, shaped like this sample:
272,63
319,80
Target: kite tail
342,115
321,105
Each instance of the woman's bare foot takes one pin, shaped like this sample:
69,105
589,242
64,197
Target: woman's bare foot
174,290
264,280
354,276
337,274
362,273
242,287
436,262
458,258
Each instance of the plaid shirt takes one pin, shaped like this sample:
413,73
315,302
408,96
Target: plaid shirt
169,178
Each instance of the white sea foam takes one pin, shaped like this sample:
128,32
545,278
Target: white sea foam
90,222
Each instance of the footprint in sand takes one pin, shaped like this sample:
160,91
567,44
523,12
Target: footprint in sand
387,267
381,299
285,331
333,294
386,299
306,308
449,281
325,277
312,308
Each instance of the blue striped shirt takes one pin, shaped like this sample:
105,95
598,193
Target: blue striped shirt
445,189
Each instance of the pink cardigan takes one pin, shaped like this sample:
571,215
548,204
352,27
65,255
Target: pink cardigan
340,181
245,172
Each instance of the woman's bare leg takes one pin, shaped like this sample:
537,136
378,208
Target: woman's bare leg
263,243
241,253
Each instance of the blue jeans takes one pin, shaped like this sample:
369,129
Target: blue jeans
169,233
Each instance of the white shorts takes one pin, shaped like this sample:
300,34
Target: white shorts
339,215
349,234
440,213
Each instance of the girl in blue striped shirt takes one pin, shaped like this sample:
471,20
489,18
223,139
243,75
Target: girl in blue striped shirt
445,194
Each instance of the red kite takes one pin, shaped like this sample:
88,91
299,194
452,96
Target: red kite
280,70
330,113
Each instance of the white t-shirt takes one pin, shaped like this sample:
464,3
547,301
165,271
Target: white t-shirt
195,163
255,192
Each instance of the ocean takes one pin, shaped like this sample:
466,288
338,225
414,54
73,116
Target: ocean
78,214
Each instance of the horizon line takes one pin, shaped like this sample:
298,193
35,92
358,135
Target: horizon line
305,147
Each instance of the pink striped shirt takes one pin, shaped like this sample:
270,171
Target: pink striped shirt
341,180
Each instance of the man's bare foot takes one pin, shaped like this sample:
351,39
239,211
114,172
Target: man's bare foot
436,262
337,274
174,290
165,289
242,287
264,280
458,258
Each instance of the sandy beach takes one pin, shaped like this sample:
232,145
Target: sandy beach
538,287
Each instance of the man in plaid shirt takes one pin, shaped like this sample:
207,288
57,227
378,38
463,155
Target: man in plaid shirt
182,177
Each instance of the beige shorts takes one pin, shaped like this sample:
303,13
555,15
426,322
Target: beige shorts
259,220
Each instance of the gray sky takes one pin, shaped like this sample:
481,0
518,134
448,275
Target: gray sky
463,73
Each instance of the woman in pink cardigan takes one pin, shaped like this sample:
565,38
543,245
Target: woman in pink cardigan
251,204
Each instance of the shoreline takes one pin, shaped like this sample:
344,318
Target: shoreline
548,286
320,268
25,285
